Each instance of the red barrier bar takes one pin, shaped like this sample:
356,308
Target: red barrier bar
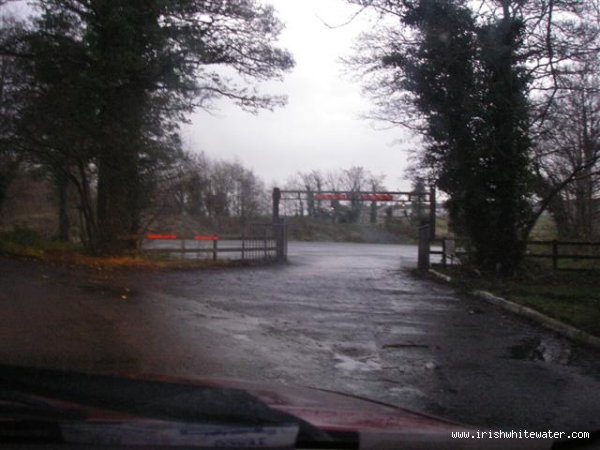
377,197
209,237
331,197
155,236
344,196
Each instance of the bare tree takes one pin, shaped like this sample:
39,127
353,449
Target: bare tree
375,183
478,80
313,181
568,157
352,180
112,82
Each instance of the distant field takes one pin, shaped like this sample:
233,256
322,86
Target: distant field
545,229
308,229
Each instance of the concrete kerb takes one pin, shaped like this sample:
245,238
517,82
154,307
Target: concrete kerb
553,324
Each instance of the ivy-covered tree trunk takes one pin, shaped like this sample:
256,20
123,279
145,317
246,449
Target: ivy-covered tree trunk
466,81
507,178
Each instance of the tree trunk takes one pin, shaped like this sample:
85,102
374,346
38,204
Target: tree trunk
64,223
118,206
8,171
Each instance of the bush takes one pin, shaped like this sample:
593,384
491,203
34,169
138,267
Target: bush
22,236
27,242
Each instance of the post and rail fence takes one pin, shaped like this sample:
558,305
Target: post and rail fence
450,251
592,253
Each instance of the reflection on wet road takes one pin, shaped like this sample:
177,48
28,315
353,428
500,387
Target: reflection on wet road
343,317
350,318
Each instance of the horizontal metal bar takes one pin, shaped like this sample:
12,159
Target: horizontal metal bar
246,249
287,191
559,243
529,255
209,250
559,256
221,239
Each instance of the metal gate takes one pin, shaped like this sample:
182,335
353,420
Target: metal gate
427,227
257,241
264,241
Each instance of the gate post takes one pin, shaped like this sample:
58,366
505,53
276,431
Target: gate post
285,239
276,199
424,243
281,240
432,208
279,227
243,245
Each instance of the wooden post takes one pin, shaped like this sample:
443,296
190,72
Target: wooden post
215,247
265,243
432,208
554,254
243,246
182,247
279,227
424,243
444,262
276,199
280,240
285,239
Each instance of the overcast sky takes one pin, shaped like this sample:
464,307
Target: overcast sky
320,127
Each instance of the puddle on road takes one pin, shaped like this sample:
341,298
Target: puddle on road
347,364
392,291
104,289
540,349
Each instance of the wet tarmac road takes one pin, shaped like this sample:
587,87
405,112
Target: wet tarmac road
344,317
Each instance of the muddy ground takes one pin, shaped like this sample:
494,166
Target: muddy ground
344,317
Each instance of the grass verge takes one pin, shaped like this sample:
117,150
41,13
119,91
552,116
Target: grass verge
23,242
571,297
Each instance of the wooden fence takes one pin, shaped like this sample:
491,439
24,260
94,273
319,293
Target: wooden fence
450,251
576,251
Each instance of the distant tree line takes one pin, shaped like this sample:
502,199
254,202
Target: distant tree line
354,179
92,92
206,190
504,94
